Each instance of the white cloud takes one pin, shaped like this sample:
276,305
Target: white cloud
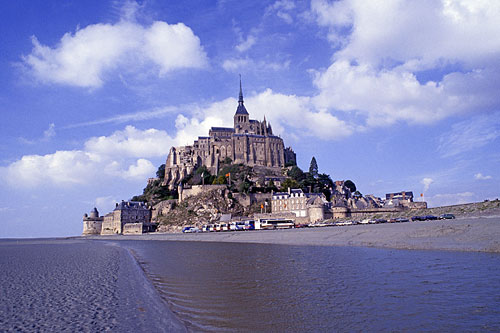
140,170
384,47
246,44
283,9
131,142
49,132
122,155
469,135
85,58
123,118
480,176
427,183
236,65
173,46
289,115
60,168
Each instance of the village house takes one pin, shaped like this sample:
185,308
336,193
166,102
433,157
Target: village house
307,207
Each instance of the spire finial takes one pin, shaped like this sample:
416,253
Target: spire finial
240,100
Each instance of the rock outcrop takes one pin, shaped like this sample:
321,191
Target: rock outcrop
203,208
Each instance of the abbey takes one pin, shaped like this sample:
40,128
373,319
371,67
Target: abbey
250,142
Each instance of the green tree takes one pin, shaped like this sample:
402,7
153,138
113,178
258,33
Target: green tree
221,180
350,185
325,181
313,168
244,186
289,183
272,185
161,172
296,173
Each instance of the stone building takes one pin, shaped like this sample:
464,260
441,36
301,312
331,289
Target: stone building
403,199
311,206
92,223
250,142
126,212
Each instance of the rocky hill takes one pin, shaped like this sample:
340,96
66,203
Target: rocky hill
206,207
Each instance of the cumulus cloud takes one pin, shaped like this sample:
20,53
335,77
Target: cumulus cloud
383,48
427,183
122,155
289,115
480,176
140,170
88,56
61,167
131,142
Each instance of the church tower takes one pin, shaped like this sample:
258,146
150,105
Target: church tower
241,117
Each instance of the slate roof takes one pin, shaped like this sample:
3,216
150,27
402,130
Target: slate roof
241,109
222,129
125,205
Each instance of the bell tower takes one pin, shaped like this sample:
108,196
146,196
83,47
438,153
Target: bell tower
241,117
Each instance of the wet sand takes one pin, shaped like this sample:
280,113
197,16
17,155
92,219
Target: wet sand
464,234
75,285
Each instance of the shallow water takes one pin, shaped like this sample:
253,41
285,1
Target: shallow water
263,287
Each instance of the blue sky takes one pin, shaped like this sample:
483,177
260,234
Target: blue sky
394,95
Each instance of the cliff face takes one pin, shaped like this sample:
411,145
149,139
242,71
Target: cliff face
205,207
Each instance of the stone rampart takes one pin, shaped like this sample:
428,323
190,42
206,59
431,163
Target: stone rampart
132,229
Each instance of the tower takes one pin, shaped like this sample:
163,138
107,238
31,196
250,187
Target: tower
241,117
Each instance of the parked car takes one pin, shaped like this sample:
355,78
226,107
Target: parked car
380,220
402,219
190,229
446,217
430,217
418,218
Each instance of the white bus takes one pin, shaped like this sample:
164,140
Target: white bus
274,224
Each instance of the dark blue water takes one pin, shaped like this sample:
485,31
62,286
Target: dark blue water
261,287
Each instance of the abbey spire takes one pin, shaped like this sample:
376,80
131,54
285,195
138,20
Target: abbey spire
240,99
241,110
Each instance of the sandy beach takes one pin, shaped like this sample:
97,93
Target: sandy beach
72,285
480,234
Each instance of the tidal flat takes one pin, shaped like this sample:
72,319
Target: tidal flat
478,234
382,277
61,285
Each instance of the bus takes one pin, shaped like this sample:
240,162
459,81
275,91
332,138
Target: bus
271,224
